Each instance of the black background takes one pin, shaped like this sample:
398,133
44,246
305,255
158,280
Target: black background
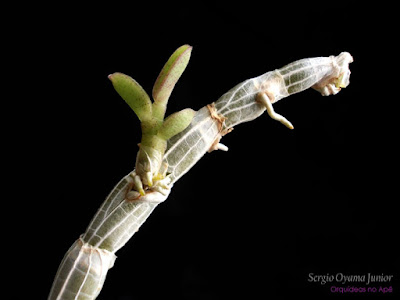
251,223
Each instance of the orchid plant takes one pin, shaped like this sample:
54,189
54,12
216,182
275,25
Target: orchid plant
171,146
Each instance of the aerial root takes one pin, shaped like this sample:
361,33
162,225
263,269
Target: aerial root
264,100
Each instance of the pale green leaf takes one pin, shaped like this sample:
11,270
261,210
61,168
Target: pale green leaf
176,123
169,75
133,94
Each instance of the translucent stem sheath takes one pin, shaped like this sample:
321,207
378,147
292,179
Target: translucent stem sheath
239,105
83,270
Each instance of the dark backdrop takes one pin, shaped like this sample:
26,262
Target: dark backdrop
251,223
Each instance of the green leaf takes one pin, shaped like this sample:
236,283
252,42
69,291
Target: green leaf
133,94
168,77
176,123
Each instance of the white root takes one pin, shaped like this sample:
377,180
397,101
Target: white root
263,99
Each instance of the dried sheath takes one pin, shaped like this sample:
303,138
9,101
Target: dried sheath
239,105
85,265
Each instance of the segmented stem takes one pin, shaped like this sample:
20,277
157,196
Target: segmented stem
85,265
